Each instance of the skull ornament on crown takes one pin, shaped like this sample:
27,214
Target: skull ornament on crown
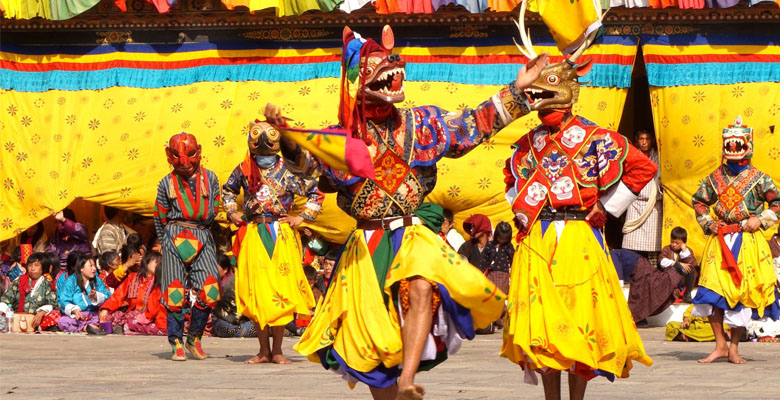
263,138
737,141
183,153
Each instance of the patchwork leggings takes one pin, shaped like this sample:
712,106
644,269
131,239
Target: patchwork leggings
200,276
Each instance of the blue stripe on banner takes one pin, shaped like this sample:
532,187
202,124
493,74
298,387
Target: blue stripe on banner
601,75
711,73
713,40
270,45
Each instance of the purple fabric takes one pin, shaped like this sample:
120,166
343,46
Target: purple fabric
68,324
70,236
137,324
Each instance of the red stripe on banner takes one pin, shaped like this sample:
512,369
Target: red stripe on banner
711,58
35,67
166,65
516,59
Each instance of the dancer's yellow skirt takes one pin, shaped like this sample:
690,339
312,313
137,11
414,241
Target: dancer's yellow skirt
757,289
566,305
353,316
269,290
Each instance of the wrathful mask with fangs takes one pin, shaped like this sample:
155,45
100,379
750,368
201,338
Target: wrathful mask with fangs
384,77
183,153
738,141
557,86
263,138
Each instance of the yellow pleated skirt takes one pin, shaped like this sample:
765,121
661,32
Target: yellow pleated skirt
271,289
757,289
566,307
353,317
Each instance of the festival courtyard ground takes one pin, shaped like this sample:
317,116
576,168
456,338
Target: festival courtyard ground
59,366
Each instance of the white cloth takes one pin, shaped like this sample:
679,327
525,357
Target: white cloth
667,262
732,318
455,239
617,199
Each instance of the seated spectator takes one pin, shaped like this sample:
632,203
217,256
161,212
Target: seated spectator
225,318
131,262
112,235
51,268
328,263
69,236
109,261
448,232
311,277
36,237
479,229
314,246
691,329
677,252
32,294
654,289
61,281
135,307
81,296
497,260
20,255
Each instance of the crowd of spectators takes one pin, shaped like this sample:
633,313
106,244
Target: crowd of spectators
112,284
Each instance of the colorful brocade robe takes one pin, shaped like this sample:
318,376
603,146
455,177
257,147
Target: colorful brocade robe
736,197
405,151
276,193
572,169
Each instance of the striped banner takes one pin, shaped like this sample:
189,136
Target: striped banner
490,61
686,60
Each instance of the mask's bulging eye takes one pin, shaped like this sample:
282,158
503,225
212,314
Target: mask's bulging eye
553,79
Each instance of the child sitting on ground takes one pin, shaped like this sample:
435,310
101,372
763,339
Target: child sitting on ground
140,293
81,296
31,293
678,255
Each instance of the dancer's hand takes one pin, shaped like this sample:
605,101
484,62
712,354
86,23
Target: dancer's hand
235,218
102,316
752,224
292,220
597,217
714,226
273,115
528,74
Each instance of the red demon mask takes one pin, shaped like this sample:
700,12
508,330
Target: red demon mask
183,153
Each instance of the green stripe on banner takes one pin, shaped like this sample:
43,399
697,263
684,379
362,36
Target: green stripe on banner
268,240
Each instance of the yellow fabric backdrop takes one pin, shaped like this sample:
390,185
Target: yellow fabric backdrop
106,146
689,121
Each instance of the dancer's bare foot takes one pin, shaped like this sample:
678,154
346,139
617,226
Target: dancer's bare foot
280,359
410,392
734,357
715,355
258,359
